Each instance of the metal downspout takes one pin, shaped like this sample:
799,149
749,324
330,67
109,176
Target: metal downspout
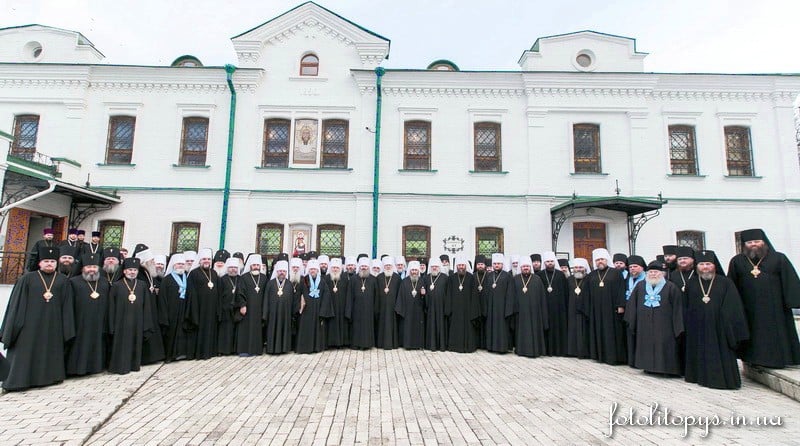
226,193
379,72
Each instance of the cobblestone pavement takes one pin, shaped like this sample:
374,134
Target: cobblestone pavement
385,397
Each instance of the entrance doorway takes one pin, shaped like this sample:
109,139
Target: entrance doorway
588,236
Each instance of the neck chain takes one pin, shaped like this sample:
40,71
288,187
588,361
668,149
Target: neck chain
208,276
94,294
602,279
335,285
706,297
461,283
233,285
131,295
526,282
280,286
93,248
494,278
255,282
414,288
549,281
388,282
433,282
47,293
363,285
578,283
755,271
149,280
480,280
683,288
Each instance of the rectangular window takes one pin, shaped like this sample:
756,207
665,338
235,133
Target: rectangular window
487,147
488,241
682,150
119,148
330,240
269,239
417,145
334,144
586,142
694,239
194,143
738,151
276,143
26,131
111,232
416,241
185,237
737,239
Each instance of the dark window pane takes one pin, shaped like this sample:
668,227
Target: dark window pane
276,143
682,151
334,144
738,151
417,145
487,147
587,148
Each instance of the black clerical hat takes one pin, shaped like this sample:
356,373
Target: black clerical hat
95,233
282,256
90,259
422,261
684,251
444,257
131,262
361,255
110,252
81,232
49,253
655,264
660,257
304,256
637,260
221,256
620,257
669,250
67,250
749,235
536,257
239,256
139,248
480,258
563,262
708,256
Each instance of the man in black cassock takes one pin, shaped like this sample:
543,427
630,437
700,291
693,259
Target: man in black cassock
296,273
498,331
621,263
434,288
93,247
318,309
527,306
38,321
654,314
670,259
577,322
202,300
685,270
563,265
229,285
178,342
220,257
464,311
557,297
715,326
362,305
481,275
72,239
68,261
410,307
129,317
248,306
636,273
111,267
337,282
278,310
89,293
770,288
46,242
386,327
604,306
536,260
153,347
4,367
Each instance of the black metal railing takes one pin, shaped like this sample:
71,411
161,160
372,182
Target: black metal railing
37,159
12,266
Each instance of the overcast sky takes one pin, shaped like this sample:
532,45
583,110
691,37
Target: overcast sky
738,36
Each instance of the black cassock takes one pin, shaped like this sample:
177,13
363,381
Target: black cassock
577,322
153,347
483,298
311,322
250,293
713,332
33,256
4,366
111,278
557,301
498,331
130,323
410,306
279,308
464,313
226,340
338,327
203,312
34,331
87,353
607,331
386,327
178,342
768,301
527,305
361,309
436,310
656,328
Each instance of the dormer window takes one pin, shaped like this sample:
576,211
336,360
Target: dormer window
309,65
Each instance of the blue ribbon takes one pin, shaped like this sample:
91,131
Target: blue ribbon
180,279
632,281
652,297
314,286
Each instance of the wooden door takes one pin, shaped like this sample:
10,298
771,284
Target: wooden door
588,236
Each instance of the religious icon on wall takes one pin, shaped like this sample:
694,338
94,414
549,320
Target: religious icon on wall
298,244
305,141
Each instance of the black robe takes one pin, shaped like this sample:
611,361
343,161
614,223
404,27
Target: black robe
226,340
464,313
557,301
87,353
311,322
577,322
178,342
361,309
484,291
714,331
33,256
278,311
91,248
153,347
607,331
630,338
249,328
111,278
527,304
130,323
4,367
498,331
338,326
656,329
34,331
386,327
411,309
203,310
768,301
437,307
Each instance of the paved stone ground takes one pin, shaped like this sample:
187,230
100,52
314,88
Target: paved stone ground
383,397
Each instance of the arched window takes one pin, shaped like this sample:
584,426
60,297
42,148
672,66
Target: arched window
309,65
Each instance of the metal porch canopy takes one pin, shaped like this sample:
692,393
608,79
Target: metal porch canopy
638,211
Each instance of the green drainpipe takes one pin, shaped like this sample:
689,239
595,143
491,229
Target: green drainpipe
226,193
379,72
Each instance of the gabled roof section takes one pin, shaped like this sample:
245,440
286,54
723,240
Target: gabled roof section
583,51
47,44
371,47
535,47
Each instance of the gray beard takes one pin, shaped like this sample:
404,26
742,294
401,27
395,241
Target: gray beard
445,269
363,274
111,269
91,277
179,271
414,280
151,269
653,282
336,276
220,271
578,275
707,276
294,277
159,272
255,272
130,276
388,274
434,275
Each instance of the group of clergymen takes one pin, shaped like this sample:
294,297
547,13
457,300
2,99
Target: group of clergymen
84,309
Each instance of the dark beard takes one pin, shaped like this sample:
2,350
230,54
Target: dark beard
757,253
64,269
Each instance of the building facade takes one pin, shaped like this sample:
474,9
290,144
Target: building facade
307,144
